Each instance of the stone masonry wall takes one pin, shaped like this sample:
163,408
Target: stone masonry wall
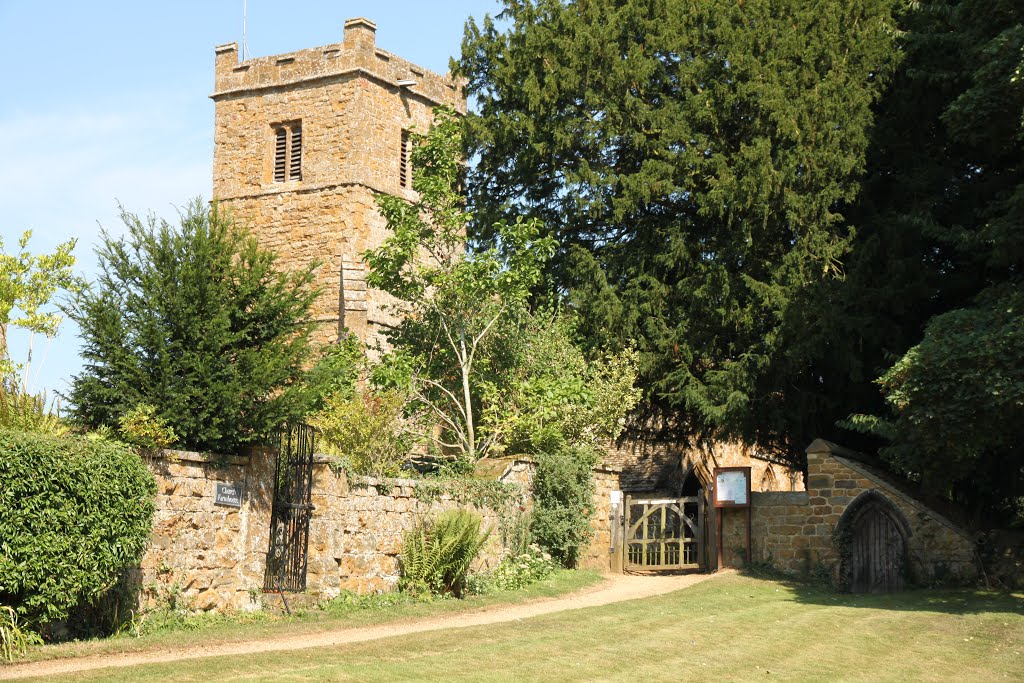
352,112
356,531
606,481
795,532
209,556
652,465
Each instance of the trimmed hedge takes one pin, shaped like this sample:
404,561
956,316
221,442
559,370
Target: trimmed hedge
74,513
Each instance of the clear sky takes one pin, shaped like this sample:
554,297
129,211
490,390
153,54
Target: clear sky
105,102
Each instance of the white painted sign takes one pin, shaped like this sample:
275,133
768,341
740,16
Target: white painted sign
616,497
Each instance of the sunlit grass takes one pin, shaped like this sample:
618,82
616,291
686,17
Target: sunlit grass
729,628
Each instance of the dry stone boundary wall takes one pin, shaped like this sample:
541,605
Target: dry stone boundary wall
206,556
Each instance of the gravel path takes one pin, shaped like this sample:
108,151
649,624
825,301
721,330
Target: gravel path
616,588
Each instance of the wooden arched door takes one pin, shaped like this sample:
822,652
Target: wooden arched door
876,553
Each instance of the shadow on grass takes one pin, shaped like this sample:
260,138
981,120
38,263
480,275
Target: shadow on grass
969,600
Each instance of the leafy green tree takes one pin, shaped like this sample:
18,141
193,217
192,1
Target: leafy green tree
694,161
554,396
457,308
197,322
28,284
958,397
493,374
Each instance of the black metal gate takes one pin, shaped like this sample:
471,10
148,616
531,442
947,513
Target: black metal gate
289,519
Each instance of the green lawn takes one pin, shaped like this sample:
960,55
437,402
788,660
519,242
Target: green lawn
210,628
729,628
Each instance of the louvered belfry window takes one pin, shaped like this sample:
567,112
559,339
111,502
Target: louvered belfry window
295,160
404,167
287,152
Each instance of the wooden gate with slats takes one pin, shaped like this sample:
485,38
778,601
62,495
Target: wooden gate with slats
663,533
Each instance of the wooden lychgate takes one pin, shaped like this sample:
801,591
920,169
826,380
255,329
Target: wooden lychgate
663,533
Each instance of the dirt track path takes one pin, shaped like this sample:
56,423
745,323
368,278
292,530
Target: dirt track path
616,588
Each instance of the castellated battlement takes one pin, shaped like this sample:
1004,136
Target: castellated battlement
357,54
304,141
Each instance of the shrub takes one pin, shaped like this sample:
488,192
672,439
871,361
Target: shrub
142,427
366,430
14,640
334,374
514,572
25,412
198,321
74,513
563,488
436,555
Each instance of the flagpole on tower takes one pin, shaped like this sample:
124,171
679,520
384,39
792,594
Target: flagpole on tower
245,46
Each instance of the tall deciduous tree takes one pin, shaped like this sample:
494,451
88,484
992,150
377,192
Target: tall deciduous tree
196,321
694,161
28,283
455,306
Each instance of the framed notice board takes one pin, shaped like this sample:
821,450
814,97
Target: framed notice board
732,490
732,487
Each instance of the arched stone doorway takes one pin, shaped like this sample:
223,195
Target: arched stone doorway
872,538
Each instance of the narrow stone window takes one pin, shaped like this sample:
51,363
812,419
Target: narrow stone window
404,169
287,152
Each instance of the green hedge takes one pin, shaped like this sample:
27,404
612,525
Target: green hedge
74,513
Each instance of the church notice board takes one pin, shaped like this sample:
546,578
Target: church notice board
732,487
732,490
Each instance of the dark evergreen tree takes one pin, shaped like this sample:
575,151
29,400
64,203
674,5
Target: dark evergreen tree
197,322
939,254
694,160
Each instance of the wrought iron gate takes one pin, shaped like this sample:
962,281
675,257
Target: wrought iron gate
663,533
289,519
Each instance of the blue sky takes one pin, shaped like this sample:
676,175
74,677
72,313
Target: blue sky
107,102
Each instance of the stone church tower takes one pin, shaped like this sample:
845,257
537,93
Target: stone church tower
302,143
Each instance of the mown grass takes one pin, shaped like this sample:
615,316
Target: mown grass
162,630
733,628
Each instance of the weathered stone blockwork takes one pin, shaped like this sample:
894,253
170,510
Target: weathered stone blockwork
796,532
352,100
209,555
606,481
650,465
213,557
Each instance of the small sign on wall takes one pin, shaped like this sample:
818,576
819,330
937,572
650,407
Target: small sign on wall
228,494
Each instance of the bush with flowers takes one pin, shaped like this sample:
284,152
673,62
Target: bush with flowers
514,572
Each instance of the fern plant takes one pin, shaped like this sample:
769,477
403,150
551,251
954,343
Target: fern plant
436,556
26,412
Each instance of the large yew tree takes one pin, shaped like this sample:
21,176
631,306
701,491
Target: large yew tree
694,161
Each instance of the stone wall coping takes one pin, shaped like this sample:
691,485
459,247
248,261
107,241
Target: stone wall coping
821,446
912,502
194,456
784,498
